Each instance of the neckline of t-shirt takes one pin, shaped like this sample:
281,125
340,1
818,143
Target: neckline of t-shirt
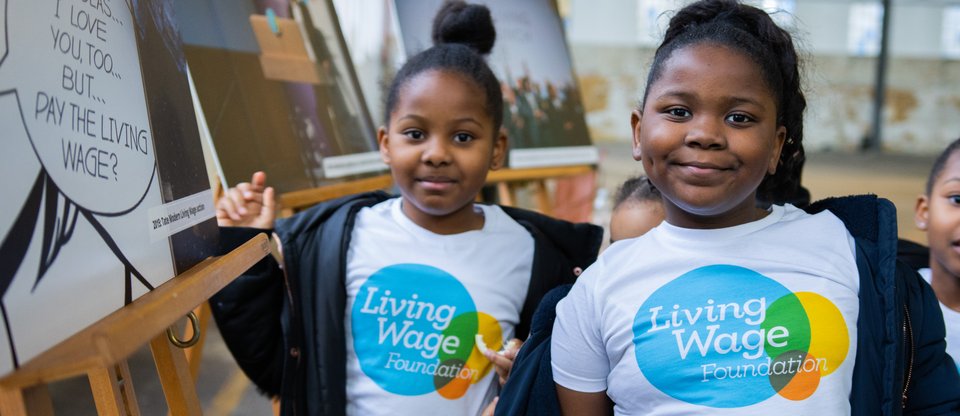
927,275
720,235
406,223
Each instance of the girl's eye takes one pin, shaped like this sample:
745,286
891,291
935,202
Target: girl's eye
414,134
678,112
462,137
738,118
954,199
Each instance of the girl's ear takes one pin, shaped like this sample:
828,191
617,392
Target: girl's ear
635,117
921,215
382,138
775,157
499,150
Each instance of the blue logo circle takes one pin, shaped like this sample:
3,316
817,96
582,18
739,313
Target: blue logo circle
701,338
402,331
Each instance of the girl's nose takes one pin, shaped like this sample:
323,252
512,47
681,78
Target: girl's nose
436,152
706,133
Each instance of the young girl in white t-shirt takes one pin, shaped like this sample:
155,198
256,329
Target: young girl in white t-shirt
399,306
729,308
938,213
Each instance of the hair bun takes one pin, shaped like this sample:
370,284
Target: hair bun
466,24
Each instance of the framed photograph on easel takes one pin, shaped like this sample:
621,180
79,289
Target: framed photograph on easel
543,112
278,92
372,36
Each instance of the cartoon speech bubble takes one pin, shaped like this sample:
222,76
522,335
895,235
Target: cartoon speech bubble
76,70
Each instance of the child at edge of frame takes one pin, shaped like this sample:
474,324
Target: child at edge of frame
746,307
402,305
938,214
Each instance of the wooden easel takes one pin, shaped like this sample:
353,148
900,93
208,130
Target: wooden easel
291,202
507,180
100,351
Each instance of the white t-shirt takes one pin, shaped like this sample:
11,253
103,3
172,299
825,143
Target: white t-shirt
759,318
415,302
951,319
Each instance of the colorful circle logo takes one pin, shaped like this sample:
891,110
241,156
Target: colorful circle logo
726,336
414,331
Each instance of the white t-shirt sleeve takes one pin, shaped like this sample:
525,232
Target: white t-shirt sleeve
578,355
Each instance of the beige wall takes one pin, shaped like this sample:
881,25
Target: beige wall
921,116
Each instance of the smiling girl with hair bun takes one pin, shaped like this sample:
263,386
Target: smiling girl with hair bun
382,301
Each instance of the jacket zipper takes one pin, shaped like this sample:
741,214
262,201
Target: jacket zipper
907,337
289,292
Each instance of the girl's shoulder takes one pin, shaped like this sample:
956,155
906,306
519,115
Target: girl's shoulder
338,210
864,216
825,223
496,220
549,224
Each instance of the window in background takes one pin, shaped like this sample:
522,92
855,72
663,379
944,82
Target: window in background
781,11
652,19
863,35
951,32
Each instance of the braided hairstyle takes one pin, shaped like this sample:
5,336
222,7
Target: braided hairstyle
462,34
940,163
752,32
637,188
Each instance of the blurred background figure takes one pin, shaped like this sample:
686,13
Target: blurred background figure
637,208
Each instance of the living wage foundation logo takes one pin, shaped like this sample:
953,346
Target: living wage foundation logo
727,337
414,331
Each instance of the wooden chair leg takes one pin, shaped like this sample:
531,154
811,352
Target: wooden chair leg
175,378
543,197
113,392
33,401
573,197
195,353
506,194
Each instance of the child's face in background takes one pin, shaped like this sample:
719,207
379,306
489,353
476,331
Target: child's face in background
708,135
440,144
939,215
633,219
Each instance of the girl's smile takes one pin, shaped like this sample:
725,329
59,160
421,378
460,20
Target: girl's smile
436,183
703,171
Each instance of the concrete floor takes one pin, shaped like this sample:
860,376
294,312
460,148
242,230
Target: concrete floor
223,390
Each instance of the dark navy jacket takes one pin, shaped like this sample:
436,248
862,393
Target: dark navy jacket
901,364
285,327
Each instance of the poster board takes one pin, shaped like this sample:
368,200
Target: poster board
372,34
107,194
304,133
543,111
